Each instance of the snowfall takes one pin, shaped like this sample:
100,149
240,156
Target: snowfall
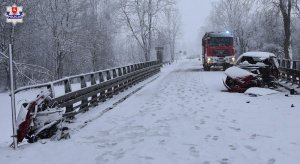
182,115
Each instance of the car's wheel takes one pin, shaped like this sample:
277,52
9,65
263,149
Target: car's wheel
208,68
204,67
225,67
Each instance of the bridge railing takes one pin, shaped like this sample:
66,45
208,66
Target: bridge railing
78,93
288,73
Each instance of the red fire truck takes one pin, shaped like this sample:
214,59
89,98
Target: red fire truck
217,50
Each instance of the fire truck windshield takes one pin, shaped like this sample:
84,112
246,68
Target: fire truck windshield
220,41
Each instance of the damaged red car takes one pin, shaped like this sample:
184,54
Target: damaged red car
252,69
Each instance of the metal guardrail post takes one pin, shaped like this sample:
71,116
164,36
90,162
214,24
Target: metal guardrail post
102,93
84,102
126,81
116,87
121,85
109,92
94,101
129,80
123,77
132,69
49,88
67,85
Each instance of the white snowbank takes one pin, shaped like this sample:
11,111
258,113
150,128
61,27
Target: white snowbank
260,91
235,72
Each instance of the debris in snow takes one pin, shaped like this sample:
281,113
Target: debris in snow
255,91
292,91
292,106
43,141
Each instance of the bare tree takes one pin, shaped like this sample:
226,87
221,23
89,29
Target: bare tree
172,23
286,9
141,17
66,37
233,15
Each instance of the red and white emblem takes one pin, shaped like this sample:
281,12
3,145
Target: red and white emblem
14,10
14,14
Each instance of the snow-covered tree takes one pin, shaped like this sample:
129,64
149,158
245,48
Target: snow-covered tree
65,37
141,17
233,15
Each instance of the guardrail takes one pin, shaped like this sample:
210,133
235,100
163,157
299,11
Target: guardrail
289,74
102,85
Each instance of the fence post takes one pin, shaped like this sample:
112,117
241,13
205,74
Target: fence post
94,97
84,102
67,85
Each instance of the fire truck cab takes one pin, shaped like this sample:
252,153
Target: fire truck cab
217,50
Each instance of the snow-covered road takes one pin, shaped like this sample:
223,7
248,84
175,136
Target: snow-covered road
183,117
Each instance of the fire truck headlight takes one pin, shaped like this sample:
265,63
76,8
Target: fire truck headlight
208,60
233,59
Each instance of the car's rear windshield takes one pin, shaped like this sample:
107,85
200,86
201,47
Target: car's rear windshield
253,60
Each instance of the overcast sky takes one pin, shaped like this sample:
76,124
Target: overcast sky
194,14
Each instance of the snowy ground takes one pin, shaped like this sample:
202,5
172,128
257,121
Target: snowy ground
184,116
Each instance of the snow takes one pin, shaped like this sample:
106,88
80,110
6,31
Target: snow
236,72
260,91
257,54
184,116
